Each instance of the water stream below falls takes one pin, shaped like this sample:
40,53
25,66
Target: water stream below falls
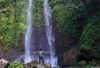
44,39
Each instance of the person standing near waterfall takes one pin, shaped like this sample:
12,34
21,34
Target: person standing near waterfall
41,55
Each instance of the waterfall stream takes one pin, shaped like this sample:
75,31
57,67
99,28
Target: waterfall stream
49,33
28,32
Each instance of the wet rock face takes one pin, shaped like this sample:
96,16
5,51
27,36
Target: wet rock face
39,39
13,55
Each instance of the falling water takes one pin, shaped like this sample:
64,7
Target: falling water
50,36
28,33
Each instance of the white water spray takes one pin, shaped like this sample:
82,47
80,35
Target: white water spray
50,36
28,33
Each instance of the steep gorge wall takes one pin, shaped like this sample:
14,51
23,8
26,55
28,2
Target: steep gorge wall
67,50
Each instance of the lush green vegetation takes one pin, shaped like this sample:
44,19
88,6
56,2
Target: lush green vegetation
12,18
37,11
77,19
16,65
80,20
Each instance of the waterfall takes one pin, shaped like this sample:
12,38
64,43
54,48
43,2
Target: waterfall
28,32
49,33
52,59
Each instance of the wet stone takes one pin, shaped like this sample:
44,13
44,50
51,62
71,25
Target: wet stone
4,63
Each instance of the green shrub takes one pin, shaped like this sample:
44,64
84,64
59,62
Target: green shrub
94,63
16,65
83,63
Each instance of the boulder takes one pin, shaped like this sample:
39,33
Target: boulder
35,64
56,67
31,64
4,63
40,66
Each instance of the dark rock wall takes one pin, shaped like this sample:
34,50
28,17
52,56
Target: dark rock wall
39,39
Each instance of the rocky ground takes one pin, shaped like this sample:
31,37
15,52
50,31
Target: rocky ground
34,64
